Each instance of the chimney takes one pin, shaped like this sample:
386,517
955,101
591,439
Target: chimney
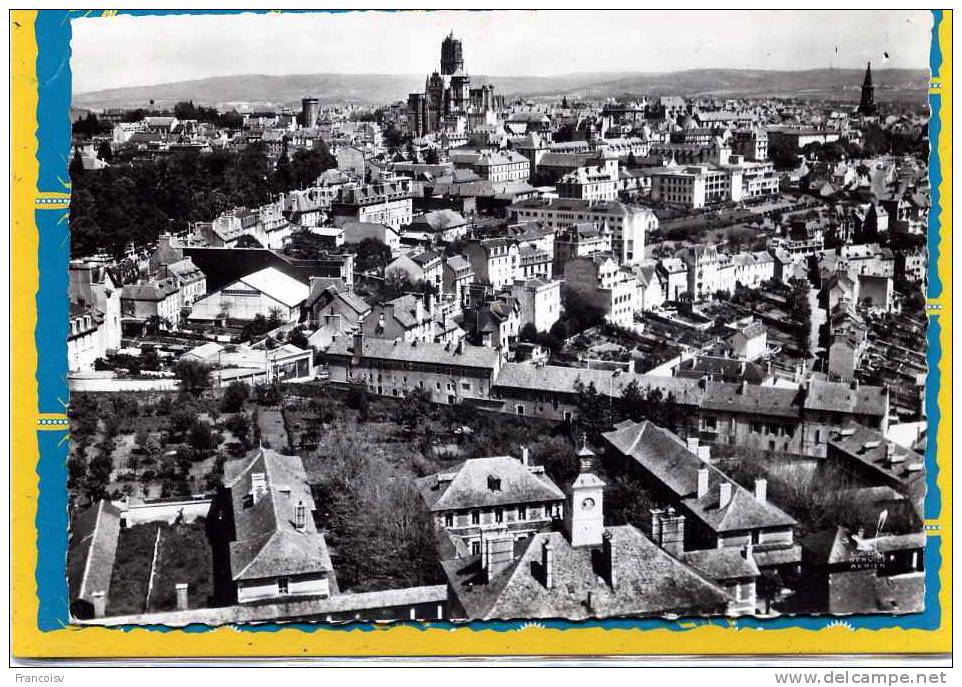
743,387
100,604
692,443
547,564
761,490
300,516
724,494
673,533
656,525
524,455
891,455
702,482
499,554
181,596
358,350
258,485
608,559
459,349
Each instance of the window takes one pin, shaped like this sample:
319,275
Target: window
522,512
283,585
475,517
498,515
475,548
520,409
449,519
465,386
757,427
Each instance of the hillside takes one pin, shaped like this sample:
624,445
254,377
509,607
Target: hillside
902,85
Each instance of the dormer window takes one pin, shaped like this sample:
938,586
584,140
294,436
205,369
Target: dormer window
494,483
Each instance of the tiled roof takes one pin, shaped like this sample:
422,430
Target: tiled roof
664,455
267,543
726,563
841,397
870,448
92,550
428,353
648,581
470,485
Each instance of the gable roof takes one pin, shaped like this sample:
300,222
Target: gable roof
267,542
649,581
670,461
471,485
277,285
92,550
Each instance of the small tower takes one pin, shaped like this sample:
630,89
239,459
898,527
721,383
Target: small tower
866,106
584,514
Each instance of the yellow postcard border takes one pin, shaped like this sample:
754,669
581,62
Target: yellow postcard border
400,641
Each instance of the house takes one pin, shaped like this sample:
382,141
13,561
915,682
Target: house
494,322
426,266
604,284
719,512
586,570
859,572
265,292
90,559
500,491
149,299
86,342
675,276
440,225
495,261
456,275
264,541
327,300
540,301
451,373
192,282
407,318
356,232
871,460
98,289
253,365
749,342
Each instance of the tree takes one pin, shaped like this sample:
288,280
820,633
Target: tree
235,395
105,152
201,436
76,168
268,394
298,339
528,332
431,157
194,375
594,416
372,254
769,586
358,399
414,411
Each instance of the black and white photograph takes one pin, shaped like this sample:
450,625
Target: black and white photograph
497,315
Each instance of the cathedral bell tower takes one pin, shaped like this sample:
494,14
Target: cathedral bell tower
584,513
867,104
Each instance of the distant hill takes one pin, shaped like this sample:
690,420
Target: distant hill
904,85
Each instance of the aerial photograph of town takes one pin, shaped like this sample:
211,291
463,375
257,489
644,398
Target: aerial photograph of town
449,316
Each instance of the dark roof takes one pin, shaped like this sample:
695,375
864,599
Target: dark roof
870,448
726,563
753,398
93,547
488,482
649,581
670,461
267,542
388,349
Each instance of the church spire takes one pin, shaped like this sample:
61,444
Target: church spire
868,75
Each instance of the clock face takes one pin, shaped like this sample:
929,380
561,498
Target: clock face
588,504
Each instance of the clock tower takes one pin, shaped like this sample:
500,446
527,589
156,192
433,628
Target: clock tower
584,514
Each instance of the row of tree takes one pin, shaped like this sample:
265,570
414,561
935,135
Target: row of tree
123,204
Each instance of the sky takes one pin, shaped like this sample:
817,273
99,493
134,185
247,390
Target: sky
138,51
